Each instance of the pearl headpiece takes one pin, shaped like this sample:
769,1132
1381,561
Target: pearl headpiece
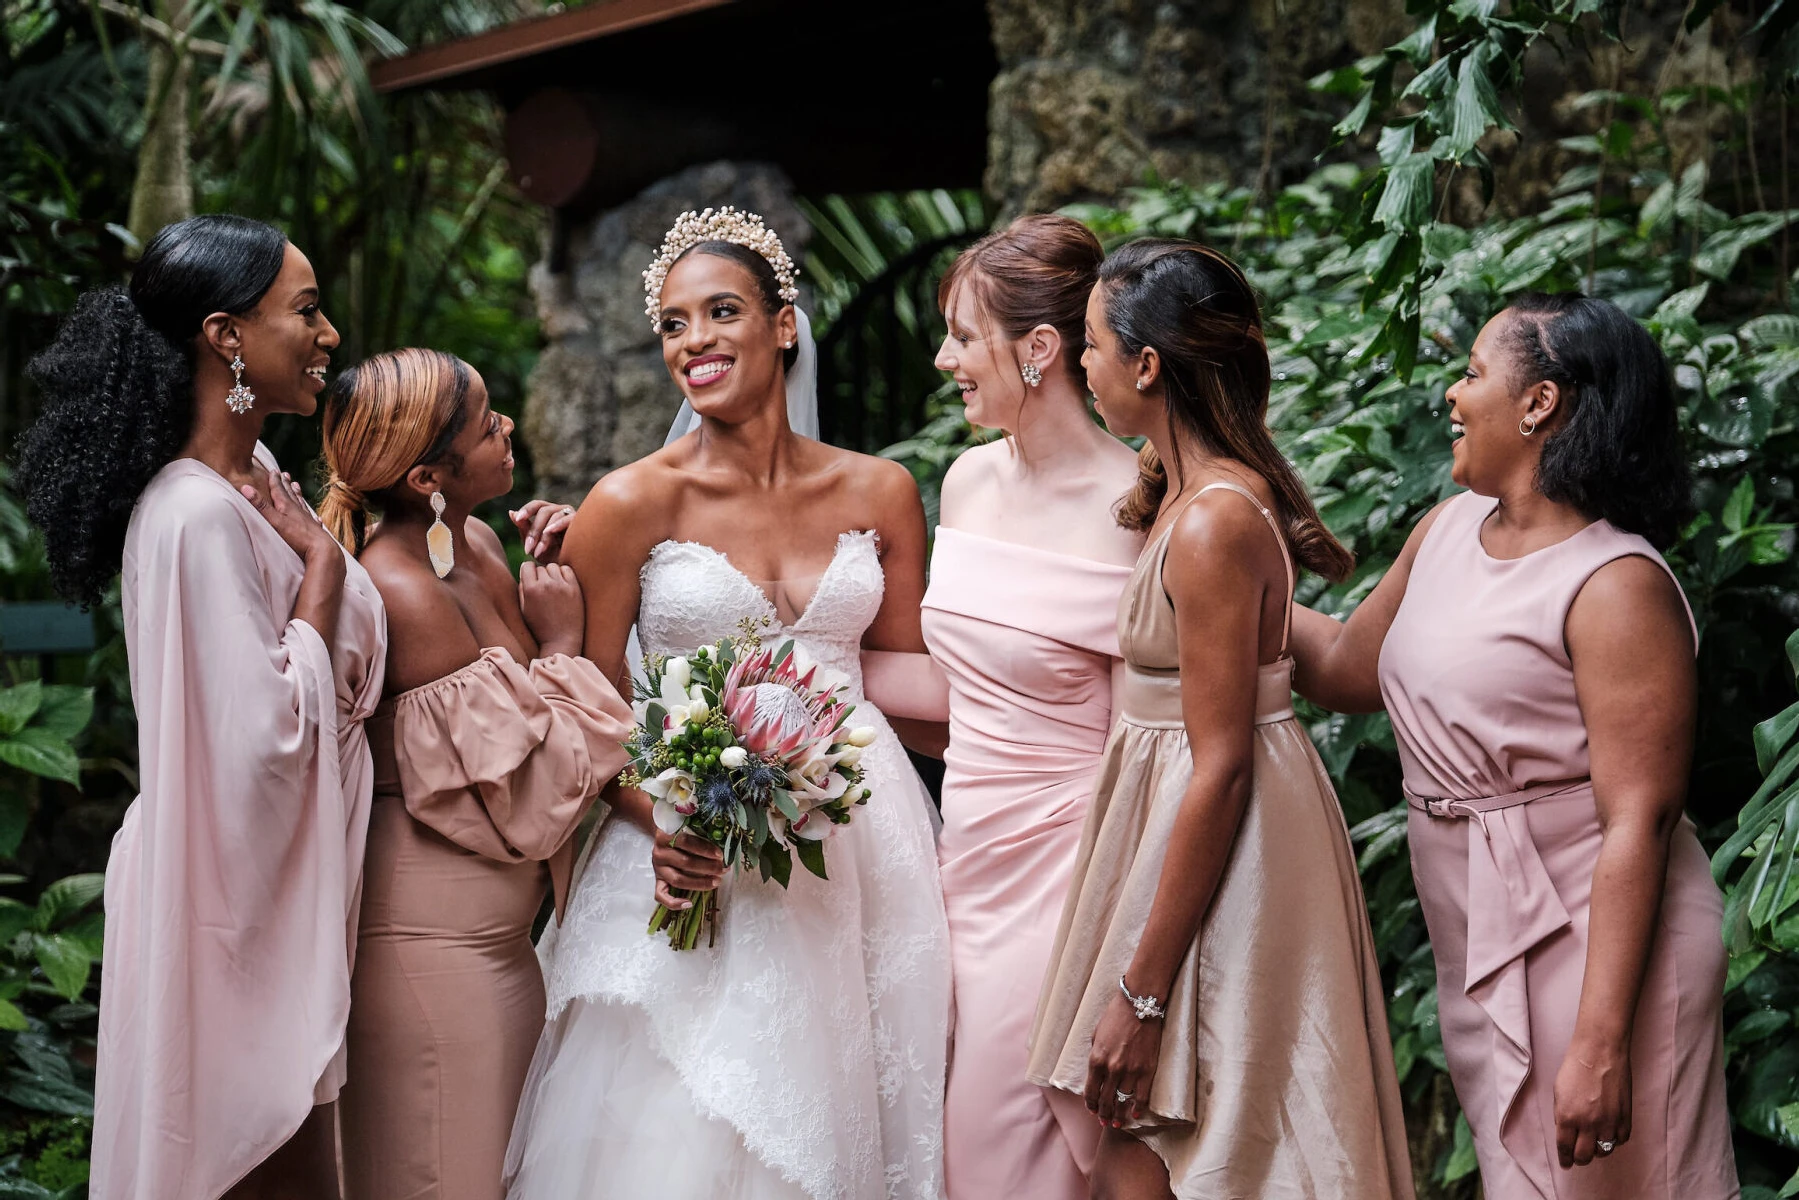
725,224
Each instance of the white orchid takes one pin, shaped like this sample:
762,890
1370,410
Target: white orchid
680,697
674,798
813,826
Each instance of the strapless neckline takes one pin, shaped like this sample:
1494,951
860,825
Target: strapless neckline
844,540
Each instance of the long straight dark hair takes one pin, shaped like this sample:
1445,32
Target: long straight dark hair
1199,313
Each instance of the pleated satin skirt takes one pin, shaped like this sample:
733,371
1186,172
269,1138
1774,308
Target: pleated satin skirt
1276,1076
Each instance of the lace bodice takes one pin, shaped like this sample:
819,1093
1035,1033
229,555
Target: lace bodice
693,595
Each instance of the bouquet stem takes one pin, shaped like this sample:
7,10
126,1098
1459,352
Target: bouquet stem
685,925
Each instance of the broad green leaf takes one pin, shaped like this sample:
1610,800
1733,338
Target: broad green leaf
811,855
67,897
1682,304
42,753
66,964
1477,105
1462,1161
65,711
11,1018
1405,201
15,918
1773,736
1740,506
18,704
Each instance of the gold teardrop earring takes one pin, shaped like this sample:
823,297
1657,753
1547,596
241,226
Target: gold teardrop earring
439,545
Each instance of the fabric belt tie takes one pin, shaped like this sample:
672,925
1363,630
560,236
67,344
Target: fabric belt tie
1512,908
1152,699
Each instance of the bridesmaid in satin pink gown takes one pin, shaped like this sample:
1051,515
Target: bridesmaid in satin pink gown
1021,614
1537,658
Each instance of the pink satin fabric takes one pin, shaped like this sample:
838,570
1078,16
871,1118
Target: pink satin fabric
1504,837
233,886
1028,639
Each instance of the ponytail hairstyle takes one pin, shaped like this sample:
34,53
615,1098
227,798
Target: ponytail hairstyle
1199,313
383,417
1617,455
118,385
1039,270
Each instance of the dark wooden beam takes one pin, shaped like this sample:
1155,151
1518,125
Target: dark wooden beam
522,39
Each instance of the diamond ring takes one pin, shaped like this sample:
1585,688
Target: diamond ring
1122,1097
567,511
1607,1147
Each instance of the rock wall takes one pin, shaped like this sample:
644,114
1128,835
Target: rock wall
1093,93
600,396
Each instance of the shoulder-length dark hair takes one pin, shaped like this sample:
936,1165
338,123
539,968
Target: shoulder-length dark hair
1618,455
118,389
1196,309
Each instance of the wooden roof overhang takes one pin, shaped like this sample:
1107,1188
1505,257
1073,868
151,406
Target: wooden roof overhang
844,95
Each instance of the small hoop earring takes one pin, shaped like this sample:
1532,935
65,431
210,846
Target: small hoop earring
1033,374
1527,426
239,399
439,545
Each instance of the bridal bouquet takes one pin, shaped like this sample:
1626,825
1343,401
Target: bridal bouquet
741,746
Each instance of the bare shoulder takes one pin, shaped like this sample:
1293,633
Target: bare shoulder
648,481
415,599
885,481
1218,525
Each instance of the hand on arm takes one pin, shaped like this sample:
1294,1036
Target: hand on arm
1632,648
322,588
1217,574
1337,664
897,626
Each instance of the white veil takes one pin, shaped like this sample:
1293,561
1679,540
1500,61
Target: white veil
802,390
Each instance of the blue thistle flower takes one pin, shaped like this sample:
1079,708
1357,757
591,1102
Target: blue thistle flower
716,799
760,779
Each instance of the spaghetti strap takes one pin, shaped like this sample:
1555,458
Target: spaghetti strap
1280,540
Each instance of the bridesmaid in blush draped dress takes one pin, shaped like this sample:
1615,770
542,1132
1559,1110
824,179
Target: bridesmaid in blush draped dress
256,649
493,741
1021,616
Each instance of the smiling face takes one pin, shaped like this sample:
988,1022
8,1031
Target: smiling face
482,451
1112,376
982,362
721,344
1487,407
286,341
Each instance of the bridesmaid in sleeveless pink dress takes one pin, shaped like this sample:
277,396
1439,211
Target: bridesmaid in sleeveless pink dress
1021,616
1537,662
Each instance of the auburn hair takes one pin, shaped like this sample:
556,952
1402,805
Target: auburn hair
1039,270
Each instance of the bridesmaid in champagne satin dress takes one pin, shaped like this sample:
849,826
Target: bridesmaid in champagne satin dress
1021,616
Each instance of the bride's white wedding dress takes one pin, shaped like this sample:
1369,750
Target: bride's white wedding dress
803,1055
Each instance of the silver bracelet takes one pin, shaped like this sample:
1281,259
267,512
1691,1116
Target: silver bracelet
1148,1007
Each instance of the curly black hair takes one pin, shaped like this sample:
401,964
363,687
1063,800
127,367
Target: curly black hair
117,388
1619,455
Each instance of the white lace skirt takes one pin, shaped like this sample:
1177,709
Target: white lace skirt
801,1058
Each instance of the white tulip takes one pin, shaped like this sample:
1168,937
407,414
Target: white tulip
862,735
677,671
732,757
698,709
849,757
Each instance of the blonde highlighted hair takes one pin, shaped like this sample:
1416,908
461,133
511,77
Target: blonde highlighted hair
383,417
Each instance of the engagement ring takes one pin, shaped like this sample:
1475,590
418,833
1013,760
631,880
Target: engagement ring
1605,1147
1122,1097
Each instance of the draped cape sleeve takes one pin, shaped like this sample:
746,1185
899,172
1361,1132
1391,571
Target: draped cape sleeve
504,760
232,887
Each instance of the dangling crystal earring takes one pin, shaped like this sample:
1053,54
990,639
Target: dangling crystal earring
239,398
1033,374
438,543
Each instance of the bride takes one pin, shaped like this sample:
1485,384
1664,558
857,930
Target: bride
802,1056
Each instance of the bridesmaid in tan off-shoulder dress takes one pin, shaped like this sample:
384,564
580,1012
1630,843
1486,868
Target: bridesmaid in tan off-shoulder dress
491,745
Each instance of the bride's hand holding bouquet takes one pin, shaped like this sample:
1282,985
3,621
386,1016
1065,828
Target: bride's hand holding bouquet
749,762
